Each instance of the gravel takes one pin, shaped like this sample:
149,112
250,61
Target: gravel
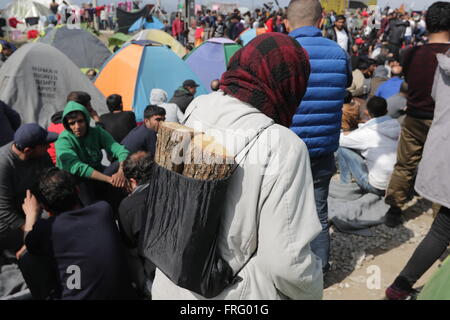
349,251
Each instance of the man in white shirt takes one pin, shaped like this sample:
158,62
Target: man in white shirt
340,34
369,153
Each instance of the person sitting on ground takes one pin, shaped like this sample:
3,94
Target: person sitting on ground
118,122
350,113
159,98
368,154
143,138
79,151
380,76
136,169
84,99
397,104
184,95
21,162
215,85
82,242
9,122
392,86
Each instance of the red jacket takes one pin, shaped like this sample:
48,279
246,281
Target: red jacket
56,128
177,27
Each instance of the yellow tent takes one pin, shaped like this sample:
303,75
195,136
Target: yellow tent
161,37
338,6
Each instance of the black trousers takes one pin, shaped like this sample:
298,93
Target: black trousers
429,250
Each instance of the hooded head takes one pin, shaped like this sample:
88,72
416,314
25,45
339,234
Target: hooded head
271,74
158,96
76,119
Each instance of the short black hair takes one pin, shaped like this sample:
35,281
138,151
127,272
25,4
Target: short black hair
58,190
153,110
348,97
114,102
70,116
80,97
137,166
341,17
377,106
437,17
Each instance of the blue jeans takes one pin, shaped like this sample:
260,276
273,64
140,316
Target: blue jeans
351,164
322,170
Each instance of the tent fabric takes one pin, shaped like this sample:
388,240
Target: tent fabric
142,23
210,59
139,67
80,46
163,38
36,80
22,9
126,19
438,287
250,34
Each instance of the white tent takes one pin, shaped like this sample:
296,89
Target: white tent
21,9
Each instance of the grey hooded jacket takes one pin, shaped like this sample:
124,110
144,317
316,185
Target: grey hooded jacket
434,169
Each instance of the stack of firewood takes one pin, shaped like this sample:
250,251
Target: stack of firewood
191,153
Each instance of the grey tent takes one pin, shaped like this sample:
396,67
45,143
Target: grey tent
81,46
36,80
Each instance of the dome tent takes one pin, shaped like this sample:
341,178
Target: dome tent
80,46
36,80
163,38
139,67
210,59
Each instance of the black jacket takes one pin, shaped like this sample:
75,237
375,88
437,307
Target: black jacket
396,31
182,97
9,123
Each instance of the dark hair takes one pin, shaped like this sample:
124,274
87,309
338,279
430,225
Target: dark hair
437,17
363,65
404,87
57,190
70,116
341,17
153,110
114,102
81,97
348,97
377,106
137,166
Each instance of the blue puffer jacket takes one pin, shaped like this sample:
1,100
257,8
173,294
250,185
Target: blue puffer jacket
317,120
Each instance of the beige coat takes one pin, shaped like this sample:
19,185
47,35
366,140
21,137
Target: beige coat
270,206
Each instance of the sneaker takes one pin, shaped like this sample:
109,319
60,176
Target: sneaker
393,217
395,293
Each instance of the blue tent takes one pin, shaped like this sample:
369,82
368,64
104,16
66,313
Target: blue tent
142,23
139,67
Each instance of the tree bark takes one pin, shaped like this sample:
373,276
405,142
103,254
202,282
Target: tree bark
191,153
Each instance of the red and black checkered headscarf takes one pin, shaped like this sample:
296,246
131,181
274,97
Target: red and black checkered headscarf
270,73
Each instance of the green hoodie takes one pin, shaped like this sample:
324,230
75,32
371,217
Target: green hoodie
81,156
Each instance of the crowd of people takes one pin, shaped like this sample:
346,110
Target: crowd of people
362,94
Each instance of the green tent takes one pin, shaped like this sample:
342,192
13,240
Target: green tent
438,287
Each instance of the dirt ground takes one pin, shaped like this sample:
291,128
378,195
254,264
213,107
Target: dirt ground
363,267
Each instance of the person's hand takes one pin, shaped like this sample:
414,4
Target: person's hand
118,179
30,205
94,115
20,253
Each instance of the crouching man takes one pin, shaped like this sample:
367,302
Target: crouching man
77,251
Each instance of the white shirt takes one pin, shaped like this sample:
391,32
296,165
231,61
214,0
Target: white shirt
342,39
377,142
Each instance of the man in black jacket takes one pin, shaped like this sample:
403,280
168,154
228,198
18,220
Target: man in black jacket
396,35
137,170
81,244
184,95
339,33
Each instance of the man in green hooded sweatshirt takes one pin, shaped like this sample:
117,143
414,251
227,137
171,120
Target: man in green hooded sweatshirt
79,151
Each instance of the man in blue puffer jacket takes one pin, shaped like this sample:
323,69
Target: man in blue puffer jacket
318,119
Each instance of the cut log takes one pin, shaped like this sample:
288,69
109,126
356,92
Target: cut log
191,153
172,142
207,159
